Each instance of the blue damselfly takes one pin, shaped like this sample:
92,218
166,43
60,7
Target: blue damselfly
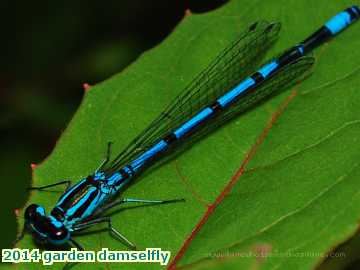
223,90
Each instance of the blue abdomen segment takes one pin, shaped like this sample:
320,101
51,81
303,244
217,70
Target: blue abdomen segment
338,22
194,121
231,95
342,20
137,163
268,69
264,72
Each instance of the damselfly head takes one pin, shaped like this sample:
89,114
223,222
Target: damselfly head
45,229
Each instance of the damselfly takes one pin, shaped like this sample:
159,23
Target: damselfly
221,91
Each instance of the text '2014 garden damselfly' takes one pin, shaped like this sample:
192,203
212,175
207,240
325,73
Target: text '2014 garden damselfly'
223,90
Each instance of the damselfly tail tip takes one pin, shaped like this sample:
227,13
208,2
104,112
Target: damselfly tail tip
355,9
33,166
86,87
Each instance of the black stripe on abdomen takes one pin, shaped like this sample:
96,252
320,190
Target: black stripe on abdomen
84,206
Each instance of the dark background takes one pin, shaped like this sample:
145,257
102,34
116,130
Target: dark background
48,50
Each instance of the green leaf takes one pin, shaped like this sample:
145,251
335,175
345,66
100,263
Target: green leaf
300,189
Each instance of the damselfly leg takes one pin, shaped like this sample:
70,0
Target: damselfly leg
107,157
70,265
76,244
127,200
68,182
65,182
21,236
110,228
